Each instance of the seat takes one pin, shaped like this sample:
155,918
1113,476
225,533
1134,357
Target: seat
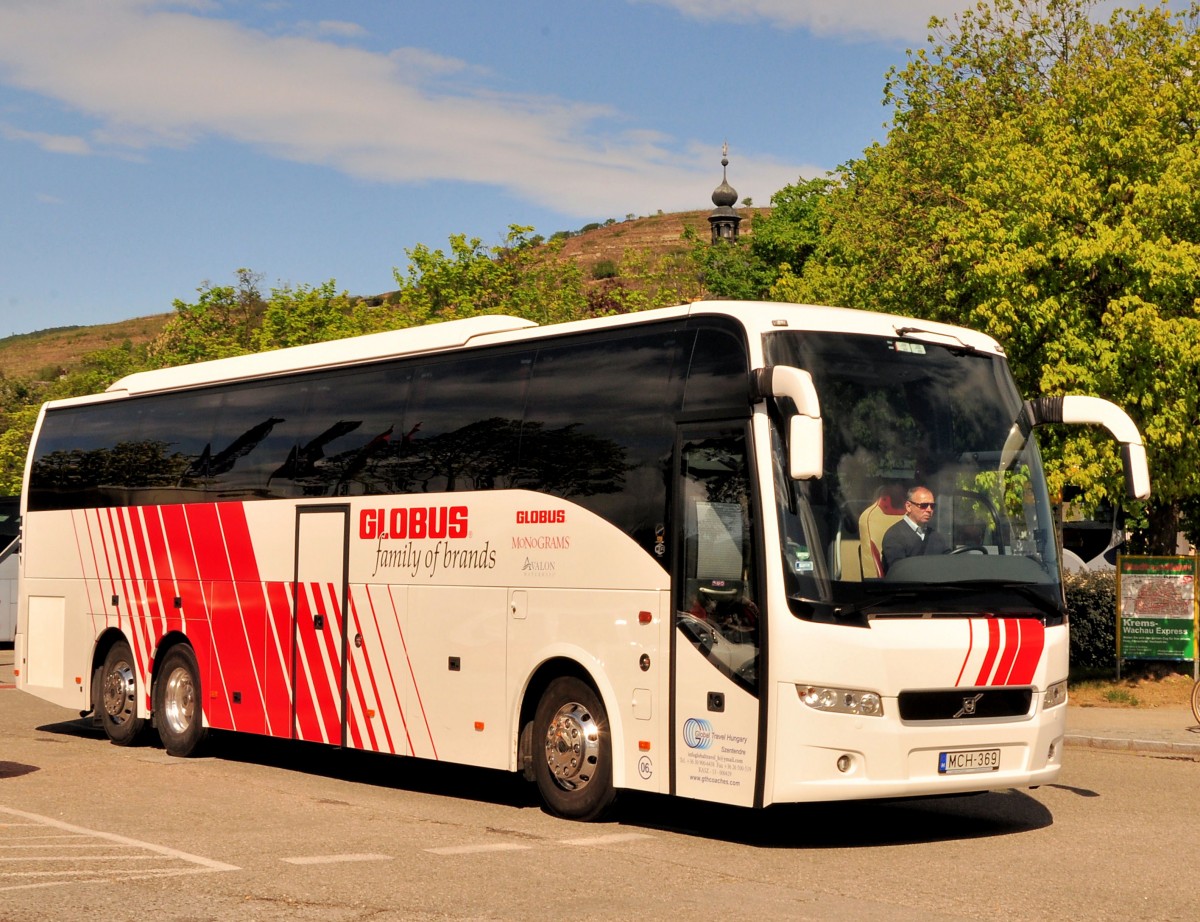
877,518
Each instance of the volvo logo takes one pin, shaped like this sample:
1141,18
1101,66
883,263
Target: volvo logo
969,705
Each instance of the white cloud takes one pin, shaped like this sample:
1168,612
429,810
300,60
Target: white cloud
334,28
905,21
52,143
153,76
893,20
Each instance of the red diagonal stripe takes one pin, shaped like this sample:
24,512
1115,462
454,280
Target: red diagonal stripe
1012,644
989,659
1033,642
413,675
970,646
387,661
247,617
366,659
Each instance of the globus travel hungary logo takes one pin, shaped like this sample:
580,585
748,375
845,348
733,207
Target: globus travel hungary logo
697,733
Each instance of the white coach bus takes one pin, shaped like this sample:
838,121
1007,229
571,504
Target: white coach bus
636,552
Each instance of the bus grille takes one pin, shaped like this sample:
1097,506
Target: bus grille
965,703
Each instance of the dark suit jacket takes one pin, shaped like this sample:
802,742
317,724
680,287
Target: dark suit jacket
901,541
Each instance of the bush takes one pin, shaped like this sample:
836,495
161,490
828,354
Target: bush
604,269
1092,614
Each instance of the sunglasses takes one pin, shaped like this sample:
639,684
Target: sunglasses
922,505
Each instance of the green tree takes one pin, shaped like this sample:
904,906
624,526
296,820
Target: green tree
1038,182
222,323
518,277
790,232
729,268
781,240
14,445
649,280
296,316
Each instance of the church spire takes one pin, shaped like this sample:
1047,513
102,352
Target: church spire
724,219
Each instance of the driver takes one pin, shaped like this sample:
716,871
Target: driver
913,536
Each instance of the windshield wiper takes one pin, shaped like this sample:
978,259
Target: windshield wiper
856,610
886,596
1028,591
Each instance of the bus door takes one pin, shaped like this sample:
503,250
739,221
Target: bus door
716,641
319,624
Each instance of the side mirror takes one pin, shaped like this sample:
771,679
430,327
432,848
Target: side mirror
806,434
1100,412
806,448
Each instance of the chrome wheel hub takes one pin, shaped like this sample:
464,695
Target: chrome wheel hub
179,701
572,746
120,686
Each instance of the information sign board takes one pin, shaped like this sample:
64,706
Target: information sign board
1156,608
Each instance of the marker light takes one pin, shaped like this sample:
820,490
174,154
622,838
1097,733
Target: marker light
1056,694
841,700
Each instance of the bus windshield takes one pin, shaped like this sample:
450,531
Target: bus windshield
909,423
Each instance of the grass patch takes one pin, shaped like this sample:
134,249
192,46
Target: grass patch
1122,697
1142,685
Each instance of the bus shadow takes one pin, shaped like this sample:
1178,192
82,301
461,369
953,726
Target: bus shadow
81,727
842,824
421,776
443,779
845,824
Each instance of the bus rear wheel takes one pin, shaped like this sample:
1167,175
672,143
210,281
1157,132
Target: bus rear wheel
178,714
572,751
117,705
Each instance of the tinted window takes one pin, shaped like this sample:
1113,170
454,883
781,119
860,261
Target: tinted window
254,428
463,424
718,377
590,419
350,424
600,425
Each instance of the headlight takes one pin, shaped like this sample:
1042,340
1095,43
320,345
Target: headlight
1056,694
841,700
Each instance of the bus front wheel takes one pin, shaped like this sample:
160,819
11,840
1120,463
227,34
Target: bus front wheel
117,707
177,711
572,751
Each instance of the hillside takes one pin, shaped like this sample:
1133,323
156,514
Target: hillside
41,355
656,234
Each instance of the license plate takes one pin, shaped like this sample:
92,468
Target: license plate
962,761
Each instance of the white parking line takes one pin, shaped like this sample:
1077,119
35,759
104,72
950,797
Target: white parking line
41,849
477,849
612,839
335,859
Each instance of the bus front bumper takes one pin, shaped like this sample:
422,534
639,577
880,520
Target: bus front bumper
822,756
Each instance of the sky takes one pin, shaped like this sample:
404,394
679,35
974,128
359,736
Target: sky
151,147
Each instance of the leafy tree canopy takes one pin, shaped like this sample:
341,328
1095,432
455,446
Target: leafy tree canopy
782,240
517,277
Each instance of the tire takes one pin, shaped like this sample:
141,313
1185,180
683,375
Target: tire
572,751
116,703
1196,701
178,712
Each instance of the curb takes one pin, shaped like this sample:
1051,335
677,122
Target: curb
1122,744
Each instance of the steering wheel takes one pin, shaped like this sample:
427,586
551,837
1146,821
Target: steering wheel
971,549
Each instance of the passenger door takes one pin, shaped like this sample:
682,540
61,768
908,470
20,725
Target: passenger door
319,624
717,635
